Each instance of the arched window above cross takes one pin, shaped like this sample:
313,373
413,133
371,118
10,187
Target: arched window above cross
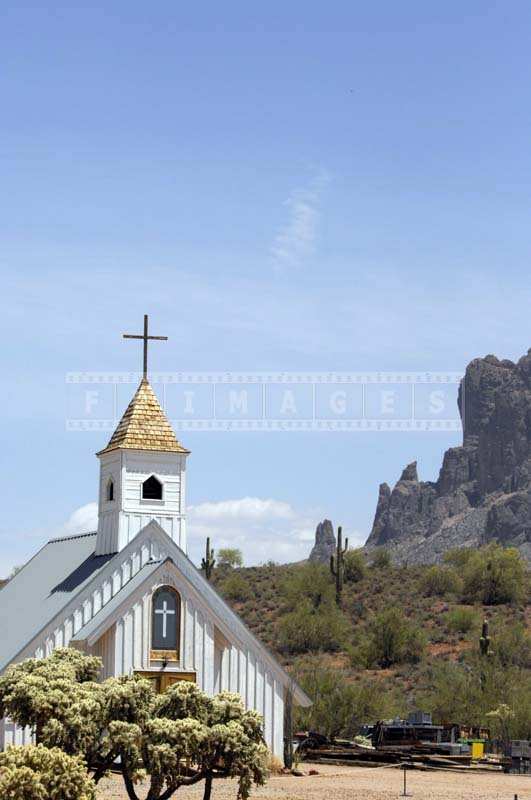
166,624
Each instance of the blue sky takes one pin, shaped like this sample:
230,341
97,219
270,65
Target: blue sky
338,186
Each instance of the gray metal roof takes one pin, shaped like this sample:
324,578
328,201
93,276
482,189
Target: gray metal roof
45,585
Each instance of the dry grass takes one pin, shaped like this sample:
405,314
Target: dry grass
353,783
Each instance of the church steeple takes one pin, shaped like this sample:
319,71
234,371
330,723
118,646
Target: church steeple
144,425
142,472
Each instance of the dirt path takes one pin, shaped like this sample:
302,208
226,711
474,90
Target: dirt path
357,783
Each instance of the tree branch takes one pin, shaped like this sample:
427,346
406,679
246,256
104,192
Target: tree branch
130,787
208,787
101,769
182,782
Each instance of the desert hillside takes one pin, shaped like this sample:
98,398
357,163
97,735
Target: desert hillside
403,636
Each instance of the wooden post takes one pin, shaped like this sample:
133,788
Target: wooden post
288,727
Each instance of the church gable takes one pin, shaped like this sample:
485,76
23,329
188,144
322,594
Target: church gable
111,597
133,634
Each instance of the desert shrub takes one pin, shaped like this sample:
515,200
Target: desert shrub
389,639
468,691
274,765
339,707
236,588
461,620
494,575
439,581
312,629
230,557
309,582
355,565
458,557
381,558
38,773
511,645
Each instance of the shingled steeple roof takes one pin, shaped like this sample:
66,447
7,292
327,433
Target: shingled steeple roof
144,425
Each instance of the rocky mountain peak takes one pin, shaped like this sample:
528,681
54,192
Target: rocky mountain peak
325,543
484,487
410,472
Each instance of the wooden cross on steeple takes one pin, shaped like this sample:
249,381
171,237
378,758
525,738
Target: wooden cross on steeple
145,338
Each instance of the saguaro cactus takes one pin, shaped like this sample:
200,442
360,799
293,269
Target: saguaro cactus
337,564
208,562
484,641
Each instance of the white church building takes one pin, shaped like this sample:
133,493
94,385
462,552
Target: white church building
128,592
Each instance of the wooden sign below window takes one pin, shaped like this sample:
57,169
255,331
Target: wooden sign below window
163,680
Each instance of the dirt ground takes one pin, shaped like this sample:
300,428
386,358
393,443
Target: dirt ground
361,783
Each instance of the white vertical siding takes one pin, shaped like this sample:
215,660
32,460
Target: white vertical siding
146,610
251,681
242,672
225,669
278,719
234,679
138,635
189,636
208,658
119,648
12,735
260,688
268,710
199,648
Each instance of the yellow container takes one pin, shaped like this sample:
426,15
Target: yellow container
478,749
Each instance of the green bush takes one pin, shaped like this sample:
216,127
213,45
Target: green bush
466,692
236,588
381,558
511,645
311,582
311,629
229,557
355,565
38,773
339,706
493,575
458,557
440,581
461,620
389,639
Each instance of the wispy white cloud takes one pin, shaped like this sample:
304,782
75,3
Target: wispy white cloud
262,529
296,240
82,520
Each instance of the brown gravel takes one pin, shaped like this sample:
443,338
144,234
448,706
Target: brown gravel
359,783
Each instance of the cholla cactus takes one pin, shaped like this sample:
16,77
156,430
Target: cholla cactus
34,772
208,562
123,720
337,565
